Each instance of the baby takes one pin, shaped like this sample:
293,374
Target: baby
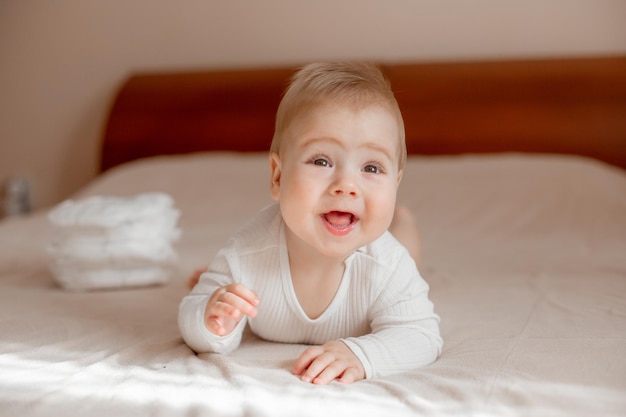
320,267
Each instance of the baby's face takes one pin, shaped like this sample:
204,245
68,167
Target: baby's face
336,178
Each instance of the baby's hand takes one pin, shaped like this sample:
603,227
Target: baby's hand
227,306
322,364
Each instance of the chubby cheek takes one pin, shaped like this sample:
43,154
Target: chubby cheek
298,194
299,182
381,207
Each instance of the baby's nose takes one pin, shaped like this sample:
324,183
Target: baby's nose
345,186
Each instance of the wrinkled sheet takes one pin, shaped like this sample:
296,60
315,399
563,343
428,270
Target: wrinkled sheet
525,255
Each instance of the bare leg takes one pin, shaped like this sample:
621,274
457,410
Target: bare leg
195,277
404,228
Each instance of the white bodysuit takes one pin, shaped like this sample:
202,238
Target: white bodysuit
381,310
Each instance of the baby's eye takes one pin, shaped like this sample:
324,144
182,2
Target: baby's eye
373,169
322,162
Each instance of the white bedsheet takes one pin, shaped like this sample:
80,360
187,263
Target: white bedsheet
525,255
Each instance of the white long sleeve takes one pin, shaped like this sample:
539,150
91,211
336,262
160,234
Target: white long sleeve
381,309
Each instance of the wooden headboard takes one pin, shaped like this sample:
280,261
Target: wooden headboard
567,106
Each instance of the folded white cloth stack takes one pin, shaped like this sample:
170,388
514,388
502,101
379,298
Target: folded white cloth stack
107,242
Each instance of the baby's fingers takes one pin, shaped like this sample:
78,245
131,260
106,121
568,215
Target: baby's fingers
308,356
350,375
244,293
215,324
227,307
233,305
323,364
322,369
233,300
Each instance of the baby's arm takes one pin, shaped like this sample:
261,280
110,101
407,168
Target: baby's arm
212,317
404,328
405,335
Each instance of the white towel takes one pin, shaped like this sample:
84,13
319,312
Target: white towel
90,249
160,228
105,211
80,279
106,241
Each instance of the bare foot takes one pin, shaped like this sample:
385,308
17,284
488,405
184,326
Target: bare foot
404,228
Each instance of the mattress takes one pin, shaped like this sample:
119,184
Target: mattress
525,256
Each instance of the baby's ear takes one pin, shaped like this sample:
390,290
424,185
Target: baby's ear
275,172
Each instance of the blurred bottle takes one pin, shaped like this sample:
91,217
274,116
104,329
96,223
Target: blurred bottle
16,197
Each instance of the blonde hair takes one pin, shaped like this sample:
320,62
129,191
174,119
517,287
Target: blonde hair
355,84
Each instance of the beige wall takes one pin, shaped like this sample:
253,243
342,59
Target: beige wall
60,61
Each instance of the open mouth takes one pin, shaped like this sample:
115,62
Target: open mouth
340,222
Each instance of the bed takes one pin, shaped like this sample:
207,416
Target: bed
516,175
